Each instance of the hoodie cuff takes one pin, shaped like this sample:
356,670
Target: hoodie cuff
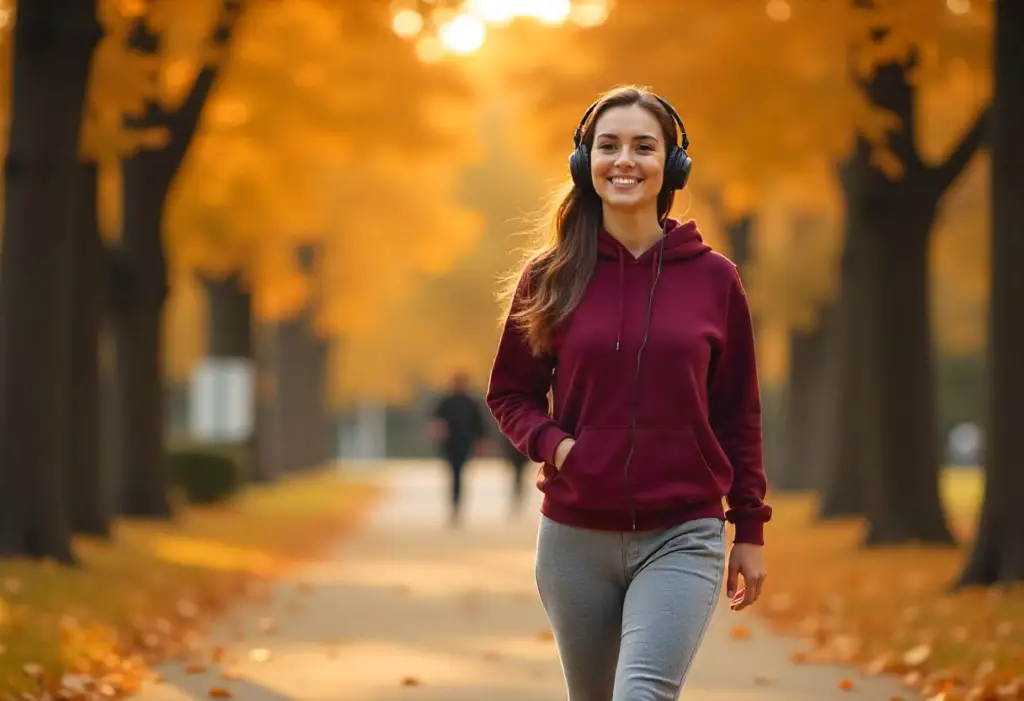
547,441
749,531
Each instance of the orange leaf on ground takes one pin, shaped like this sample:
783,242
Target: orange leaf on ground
739,633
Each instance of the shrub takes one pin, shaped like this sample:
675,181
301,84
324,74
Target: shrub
205,474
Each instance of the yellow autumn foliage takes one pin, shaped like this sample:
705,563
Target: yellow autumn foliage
323,129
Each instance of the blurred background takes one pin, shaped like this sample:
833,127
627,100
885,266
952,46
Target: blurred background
277,228
248,246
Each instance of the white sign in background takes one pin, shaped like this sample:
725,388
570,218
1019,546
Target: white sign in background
221,400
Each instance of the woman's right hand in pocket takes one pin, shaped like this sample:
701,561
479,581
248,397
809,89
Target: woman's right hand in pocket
562,451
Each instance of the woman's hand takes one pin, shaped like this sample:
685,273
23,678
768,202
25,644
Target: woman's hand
562,451
745,559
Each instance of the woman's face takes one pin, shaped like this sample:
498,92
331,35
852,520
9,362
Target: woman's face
627,160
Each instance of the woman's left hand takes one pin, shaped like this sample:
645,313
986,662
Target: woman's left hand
745,559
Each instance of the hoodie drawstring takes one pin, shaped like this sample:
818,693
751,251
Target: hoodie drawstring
622,290
622,294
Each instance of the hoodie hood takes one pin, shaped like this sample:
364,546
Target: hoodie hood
682,241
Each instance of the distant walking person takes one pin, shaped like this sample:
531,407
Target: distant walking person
626,367
517,461
458,426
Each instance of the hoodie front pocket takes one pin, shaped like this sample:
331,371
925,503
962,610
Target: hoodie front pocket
669,468
593,473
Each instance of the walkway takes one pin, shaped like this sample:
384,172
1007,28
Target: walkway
408,609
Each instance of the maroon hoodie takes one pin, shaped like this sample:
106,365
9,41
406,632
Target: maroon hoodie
660,438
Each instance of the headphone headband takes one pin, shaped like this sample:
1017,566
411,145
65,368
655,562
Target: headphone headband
684,139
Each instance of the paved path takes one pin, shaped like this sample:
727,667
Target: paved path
408,609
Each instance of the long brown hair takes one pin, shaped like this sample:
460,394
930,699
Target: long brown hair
560,264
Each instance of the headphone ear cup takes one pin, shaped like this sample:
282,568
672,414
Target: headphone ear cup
677,168
579,167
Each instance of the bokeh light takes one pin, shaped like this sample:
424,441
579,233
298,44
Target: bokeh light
460,27
462,35
407,23
778,10
959,7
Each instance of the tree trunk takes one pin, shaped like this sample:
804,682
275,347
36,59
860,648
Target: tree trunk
903,489
741,234
90,495
322,439
270,439
53,45
810,398
110,419
888,225
229,331
998,552
854,442
147,180
230,334
297,361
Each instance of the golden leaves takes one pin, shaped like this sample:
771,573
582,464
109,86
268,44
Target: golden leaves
889,612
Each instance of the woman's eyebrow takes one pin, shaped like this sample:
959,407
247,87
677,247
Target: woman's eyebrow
609,135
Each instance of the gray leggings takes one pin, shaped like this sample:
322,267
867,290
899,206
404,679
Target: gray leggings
628,610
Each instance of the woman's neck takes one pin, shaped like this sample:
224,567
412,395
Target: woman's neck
636,231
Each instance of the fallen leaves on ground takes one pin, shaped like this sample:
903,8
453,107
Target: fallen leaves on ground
150,594
890,610
739,633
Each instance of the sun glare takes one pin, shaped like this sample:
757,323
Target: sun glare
497,12
462,35
589,14
547,11
460,27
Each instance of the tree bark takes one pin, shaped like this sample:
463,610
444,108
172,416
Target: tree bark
300,386
53,46
854,443
903,488
90,498
810,402
998,552
230,334
147,180
270,439
741,234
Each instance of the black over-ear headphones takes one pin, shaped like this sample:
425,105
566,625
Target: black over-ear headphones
677,161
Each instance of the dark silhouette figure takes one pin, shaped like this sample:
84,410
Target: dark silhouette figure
458,426
517,461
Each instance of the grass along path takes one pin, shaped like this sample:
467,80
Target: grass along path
150,593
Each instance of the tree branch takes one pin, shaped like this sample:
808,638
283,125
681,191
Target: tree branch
946,172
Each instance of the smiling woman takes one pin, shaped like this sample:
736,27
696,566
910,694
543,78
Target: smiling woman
641,336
